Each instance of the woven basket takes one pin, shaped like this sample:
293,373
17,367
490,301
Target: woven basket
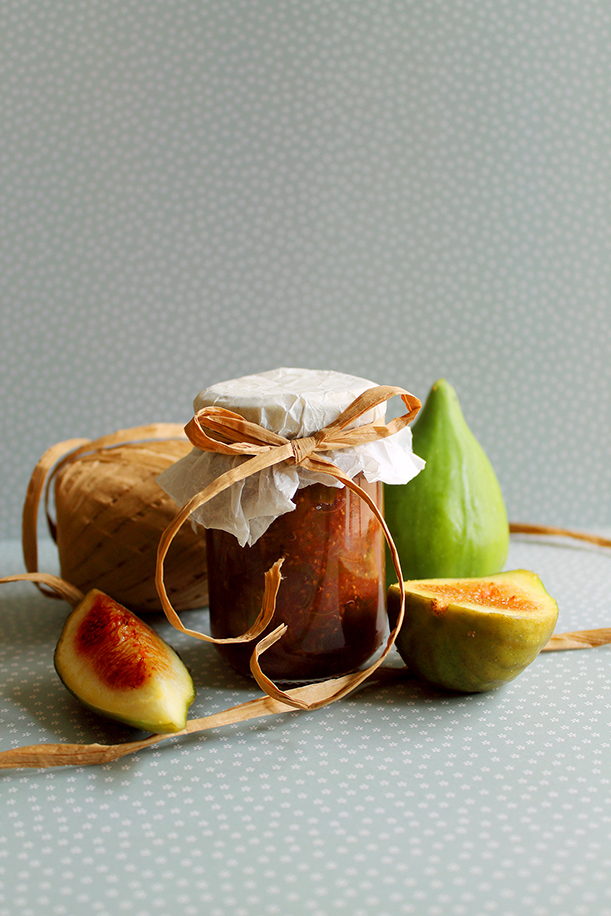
110,513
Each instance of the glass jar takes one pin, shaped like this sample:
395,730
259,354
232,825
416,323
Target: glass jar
332,591
332,594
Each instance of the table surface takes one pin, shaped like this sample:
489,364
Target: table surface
395,800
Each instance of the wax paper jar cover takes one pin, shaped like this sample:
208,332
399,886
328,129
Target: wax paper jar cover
332,594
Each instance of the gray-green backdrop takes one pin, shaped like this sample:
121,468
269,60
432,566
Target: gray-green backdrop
402,190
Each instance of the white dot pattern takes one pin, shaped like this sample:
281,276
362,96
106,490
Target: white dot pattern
402,191
396,800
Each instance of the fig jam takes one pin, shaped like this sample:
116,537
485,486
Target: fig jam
332,594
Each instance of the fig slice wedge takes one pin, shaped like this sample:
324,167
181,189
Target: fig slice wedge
473,634
119,667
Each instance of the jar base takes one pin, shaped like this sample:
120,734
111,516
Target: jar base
288,683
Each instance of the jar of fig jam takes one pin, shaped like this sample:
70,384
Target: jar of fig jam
332,593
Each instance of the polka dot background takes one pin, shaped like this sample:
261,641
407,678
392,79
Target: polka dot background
401,190
397,800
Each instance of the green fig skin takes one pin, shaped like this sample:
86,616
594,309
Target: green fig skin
450,520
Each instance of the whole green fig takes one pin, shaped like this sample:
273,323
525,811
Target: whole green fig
449,521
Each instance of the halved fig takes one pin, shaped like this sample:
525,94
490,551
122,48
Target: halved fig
121,668
473,634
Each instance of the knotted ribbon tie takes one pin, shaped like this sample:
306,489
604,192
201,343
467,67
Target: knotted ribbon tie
216,429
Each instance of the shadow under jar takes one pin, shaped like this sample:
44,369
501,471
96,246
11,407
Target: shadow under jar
332,594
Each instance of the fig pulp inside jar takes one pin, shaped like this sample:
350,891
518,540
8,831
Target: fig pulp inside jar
332,595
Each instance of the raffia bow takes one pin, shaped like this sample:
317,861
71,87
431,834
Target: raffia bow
216,429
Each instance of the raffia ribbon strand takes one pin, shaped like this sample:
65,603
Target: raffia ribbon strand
215,429
56,755
521,528
59,587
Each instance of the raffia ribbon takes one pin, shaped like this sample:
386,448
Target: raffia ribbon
216,429
580,639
